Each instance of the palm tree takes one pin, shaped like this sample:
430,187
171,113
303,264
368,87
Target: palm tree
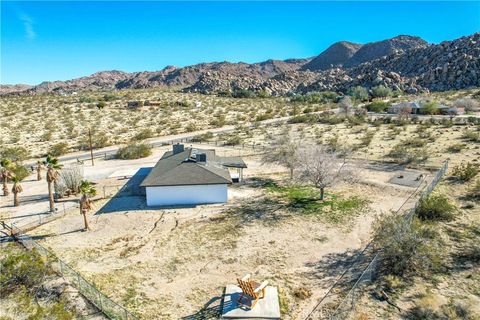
52,166
87,190
6,173
39,170
16,189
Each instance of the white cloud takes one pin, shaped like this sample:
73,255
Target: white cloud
28,25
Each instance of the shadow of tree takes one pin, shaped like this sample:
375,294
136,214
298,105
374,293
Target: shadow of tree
211,310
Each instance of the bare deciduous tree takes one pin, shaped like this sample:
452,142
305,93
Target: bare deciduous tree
346,106
282,151
321,167
468,103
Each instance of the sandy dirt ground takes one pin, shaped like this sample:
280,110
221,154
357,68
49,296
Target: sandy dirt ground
172,263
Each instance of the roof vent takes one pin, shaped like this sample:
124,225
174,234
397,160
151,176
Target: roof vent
178,148
201,157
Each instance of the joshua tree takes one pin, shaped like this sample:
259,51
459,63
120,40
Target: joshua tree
87,190
52,166
320,166
6,173
39,170
16,189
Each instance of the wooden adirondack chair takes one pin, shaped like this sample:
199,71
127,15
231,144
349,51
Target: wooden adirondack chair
252,289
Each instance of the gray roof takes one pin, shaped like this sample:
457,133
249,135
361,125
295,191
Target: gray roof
184,169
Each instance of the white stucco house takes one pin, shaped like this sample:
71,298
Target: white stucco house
189,176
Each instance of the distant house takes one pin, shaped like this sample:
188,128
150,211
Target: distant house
189,176
135,104
415,107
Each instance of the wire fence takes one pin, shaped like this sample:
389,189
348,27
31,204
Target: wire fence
109,307
335,304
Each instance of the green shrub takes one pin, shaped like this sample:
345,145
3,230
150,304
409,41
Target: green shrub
304,118
456,148
471,136
465,172
243,93
429,108
381,92
101,104
21,268
203,137
378,106
15,154
475,191
134,151
58,149
408,248
358,93
405,155
143,134
435,207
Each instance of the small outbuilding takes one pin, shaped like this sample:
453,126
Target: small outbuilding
190,176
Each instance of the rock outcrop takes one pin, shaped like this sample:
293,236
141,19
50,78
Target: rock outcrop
402,63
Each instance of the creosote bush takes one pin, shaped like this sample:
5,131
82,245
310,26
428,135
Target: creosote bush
436,207
134,151
409,248
58,149
465,172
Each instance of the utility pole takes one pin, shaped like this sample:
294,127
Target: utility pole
91,148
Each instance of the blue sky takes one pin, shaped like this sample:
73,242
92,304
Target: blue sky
43,41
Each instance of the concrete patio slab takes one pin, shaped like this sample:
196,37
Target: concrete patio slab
267,308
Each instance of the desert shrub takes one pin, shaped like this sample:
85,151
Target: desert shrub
134,151
101,104
415,143
456,148
435,207
143,134
58,149
330,119
381,91
408,248
472,136
15,154
262,117
233,140
243,93
70,179
218,121
405,155
475,191
99,140
465,172
378,106
358,93
21,268
315,97
109,97
304,118
429,108
203,137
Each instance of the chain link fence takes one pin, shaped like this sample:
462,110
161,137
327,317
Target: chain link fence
110,308
329,307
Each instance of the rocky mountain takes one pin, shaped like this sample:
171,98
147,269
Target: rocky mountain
11,88
375,50
403,63
334,56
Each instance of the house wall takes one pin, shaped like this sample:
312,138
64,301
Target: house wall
187,195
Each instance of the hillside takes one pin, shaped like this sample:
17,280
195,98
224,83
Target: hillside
402,63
